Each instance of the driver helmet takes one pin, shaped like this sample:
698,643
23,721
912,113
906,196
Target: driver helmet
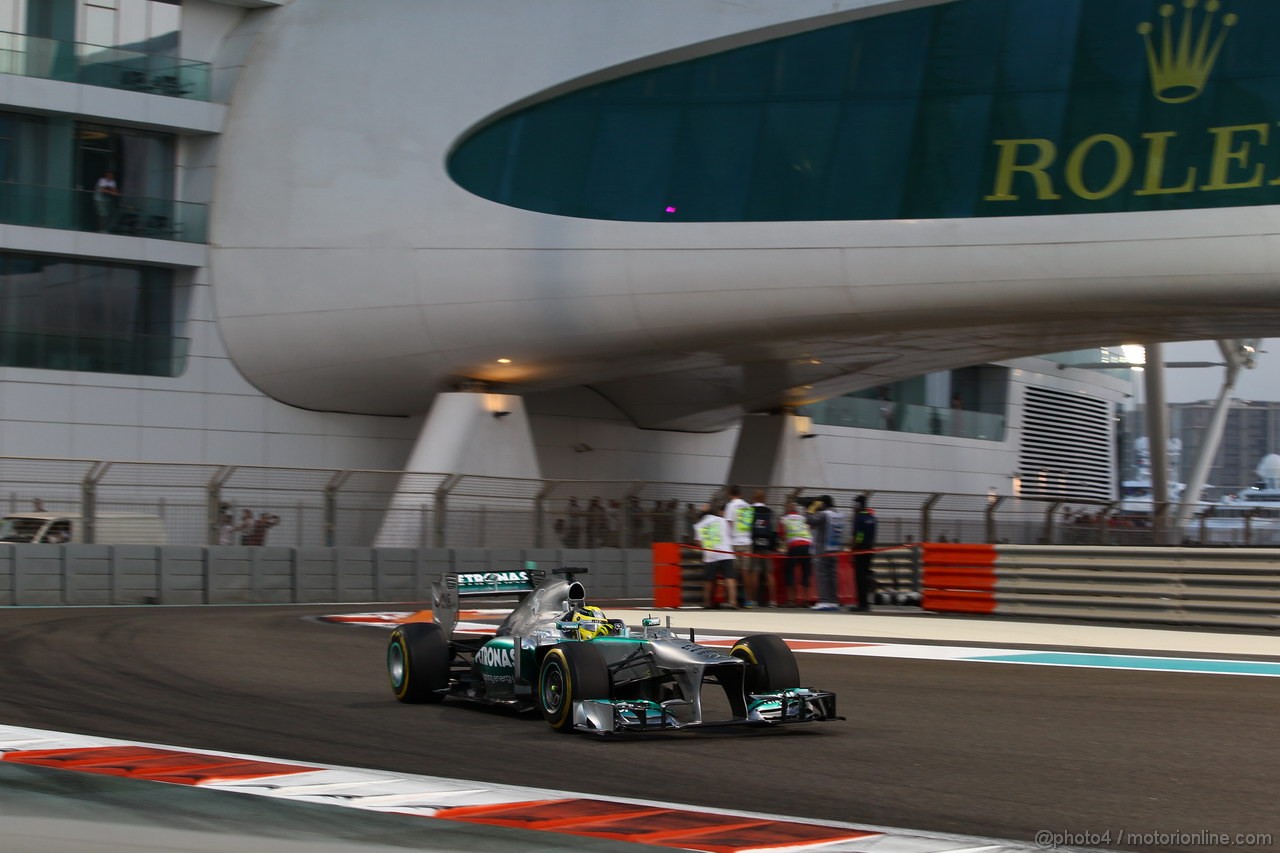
591,622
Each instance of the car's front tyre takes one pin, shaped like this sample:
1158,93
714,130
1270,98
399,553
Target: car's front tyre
570,672
770,664
418,659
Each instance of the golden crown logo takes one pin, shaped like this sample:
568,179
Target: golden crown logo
1179,72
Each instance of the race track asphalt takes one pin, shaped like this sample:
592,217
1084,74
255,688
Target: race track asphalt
990,750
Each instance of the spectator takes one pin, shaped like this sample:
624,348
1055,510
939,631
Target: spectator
712,536
573,524
263,523
887,410
798,540
227,528
864,539
738,513
244,526
957,414
663,526
764,542
612,524
691,515
639,524
105,193
595,524
827,523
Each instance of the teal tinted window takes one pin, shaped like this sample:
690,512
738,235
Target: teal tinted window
61,314
963,109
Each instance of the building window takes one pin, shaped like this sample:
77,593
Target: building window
147,26
61,314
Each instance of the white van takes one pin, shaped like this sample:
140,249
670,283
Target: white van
110,528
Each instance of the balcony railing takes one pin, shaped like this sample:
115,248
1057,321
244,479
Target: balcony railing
95,65
907,417
93,352
78,210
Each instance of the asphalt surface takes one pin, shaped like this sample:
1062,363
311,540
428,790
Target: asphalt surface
990,750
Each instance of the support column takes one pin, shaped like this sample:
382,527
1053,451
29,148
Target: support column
1158,440
778,450
465,433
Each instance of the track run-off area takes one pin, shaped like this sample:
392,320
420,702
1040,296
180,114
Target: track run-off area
1073,748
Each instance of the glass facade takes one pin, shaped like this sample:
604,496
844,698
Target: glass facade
59,173
968,403
964,109
61,314
122,44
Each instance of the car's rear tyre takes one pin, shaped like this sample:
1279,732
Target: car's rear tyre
418,659
770,664
570,672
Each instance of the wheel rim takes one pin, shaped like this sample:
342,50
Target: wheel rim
395,664
553,688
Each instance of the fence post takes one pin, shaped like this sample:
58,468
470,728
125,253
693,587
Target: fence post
624,535
89,501
331,506
925,510
994,502
213,507
442,508
540,512
1104,521
1049,518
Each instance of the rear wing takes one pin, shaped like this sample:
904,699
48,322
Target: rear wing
455,585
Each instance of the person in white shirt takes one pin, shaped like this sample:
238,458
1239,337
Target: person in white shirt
105,192
712,535
739,515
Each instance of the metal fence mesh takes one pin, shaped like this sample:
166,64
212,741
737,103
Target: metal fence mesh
210,504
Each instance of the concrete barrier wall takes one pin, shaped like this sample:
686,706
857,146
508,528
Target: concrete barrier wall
95,575
1232,587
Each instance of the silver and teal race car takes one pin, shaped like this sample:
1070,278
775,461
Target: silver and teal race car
588,673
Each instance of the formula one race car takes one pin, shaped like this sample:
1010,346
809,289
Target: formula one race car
586,672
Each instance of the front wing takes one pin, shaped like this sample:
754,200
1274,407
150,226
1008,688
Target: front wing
798,705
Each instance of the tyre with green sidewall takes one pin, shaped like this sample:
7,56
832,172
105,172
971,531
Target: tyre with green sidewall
770,664
418,659
570,672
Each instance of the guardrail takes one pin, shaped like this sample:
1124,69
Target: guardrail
1226,587
94,575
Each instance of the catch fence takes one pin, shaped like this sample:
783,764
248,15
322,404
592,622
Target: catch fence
200,504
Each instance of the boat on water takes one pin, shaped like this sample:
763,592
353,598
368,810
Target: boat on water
1251,517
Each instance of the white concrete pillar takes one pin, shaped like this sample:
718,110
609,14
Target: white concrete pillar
778,450
466,432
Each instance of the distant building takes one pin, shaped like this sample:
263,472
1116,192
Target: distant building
1252,432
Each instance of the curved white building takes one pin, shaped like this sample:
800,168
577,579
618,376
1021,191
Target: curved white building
649,217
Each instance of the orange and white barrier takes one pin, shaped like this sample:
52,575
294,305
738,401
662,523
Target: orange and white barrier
1237,587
